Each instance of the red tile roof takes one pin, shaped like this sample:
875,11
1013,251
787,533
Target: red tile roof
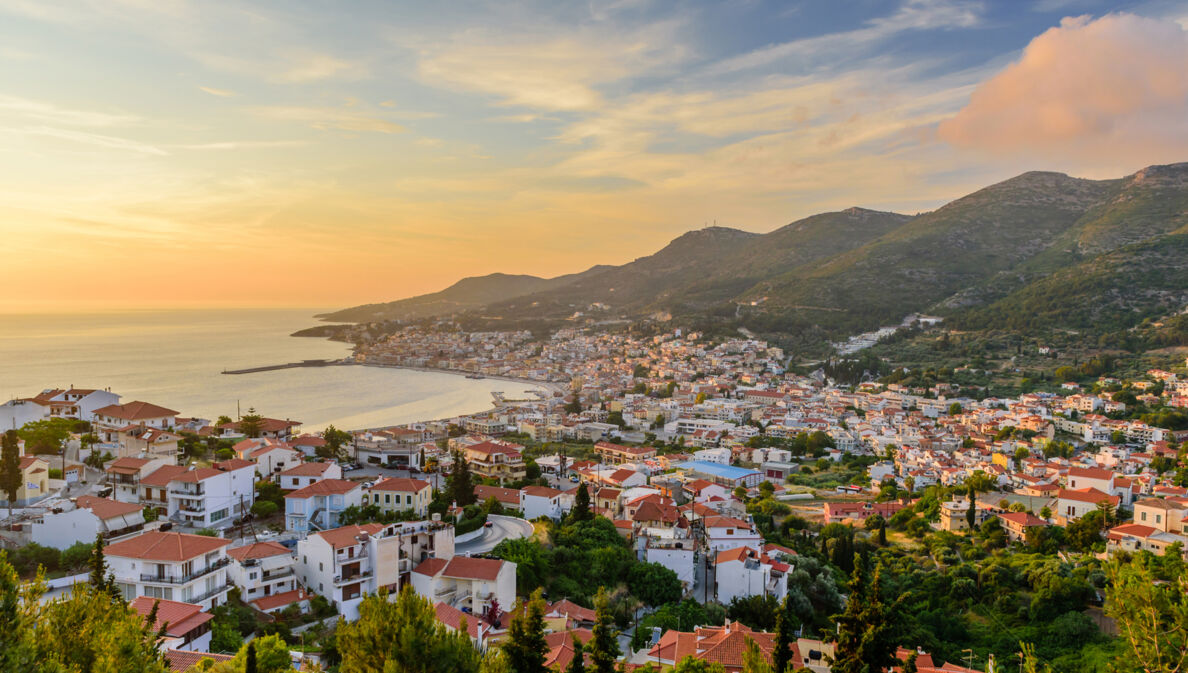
258,550
325,487
401,484
464,567
430,566
347,536
311,469
277,600
135,411
185,660
162,475
160,546
178,618
106,508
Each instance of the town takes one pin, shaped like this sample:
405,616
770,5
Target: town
664,501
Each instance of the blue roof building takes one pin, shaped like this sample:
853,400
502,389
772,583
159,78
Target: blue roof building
725,475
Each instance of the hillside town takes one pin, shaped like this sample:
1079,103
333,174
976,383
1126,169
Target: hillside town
708,460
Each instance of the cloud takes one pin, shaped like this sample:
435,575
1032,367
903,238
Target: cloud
912,15
550,73
48,112
330,118
1109,90
222,93
109,142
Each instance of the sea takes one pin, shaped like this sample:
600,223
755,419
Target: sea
175,358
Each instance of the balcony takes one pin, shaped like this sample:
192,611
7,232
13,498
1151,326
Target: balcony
210,594
187,493
185,579
277,574
344,558
191,508
347,579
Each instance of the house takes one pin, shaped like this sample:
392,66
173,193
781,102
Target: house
496,461
187,626
345,564
269,428
508,497
124,475
142,440
469,584
700,490
1164,515
90,516
270,456
560,649
481,631
305,474
317,506
742,572
108,421
1074,504
1016,524
154,487
172,566
729,476
617,454
1133,537
723,645
264,570
34,485
722,532
675,554
400,494
538,501
840,512
212,497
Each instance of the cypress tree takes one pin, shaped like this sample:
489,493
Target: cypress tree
866,637
526,646
971,513
10,467
578,663
461,487
581,505
249,665
781,656
604,646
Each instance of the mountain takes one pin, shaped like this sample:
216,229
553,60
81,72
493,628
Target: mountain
1041,248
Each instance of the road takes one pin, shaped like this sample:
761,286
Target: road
502,528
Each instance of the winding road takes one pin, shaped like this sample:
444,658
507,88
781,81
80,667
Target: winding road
502,528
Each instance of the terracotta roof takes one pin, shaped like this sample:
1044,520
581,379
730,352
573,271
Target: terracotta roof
258,550
105,508
736,554
430,566
507,496
1159,503
160,546
135,411
1090,495
325,487
233,464
541,491
490,448
28,461
572,610
1023,519
162,475
464,567
453,617
178,618
127,465
347,536
276,600
560,646
401,484
184,660
311,469
1090,473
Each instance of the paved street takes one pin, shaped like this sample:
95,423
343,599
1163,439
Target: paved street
502,528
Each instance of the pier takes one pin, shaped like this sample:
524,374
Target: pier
290,365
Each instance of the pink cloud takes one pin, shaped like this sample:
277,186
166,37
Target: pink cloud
1106,91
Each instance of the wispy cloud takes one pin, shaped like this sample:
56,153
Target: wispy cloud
222,93
49,112
98,140
323,118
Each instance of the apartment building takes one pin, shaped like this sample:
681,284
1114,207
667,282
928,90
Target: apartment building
108,421
469,584
305,474
171,566
187,626
262,570
496,461
345,564
212,497
742,572
399,495
317,506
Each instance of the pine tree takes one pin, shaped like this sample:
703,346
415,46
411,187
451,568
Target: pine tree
578,663
581,505
781,656
866,639
754,661
525,646
101,579
461,487
10,467
604,646
403,636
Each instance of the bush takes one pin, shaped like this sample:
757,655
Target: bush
264,508
75,556
55,473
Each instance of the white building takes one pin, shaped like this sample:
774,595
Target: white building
466,583
675,554
109,420
399,494
172,566
212,497
722,532
743,571
89,517
537,501
317,506
124,475
187,626
264,570
305,474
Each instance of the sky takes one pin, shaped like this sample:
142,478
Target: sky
203,153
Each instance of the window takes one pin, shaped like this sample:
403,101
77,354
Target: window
408,499
1144,516
252,576
1158,518
320,568
159,592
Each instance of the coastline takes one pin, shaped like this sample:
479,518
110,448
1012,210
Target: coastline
551,386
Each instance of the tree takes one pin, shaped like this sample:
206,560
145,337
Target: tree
10,467
224,635
581,505
525,646
972,512
866,638
955,409
691,664
270,652
909,666
249,665
264,508
578,663
46,435
101,580
335,440
654,584
460,486
604,645
781,654
754,661
84,631
1152,617
251,423
403,636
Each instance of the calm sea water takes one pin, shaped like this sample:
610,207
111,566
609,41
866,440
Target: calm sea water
175,359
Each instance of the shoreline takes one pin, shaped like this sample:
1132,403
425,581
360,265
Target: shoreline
551,386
